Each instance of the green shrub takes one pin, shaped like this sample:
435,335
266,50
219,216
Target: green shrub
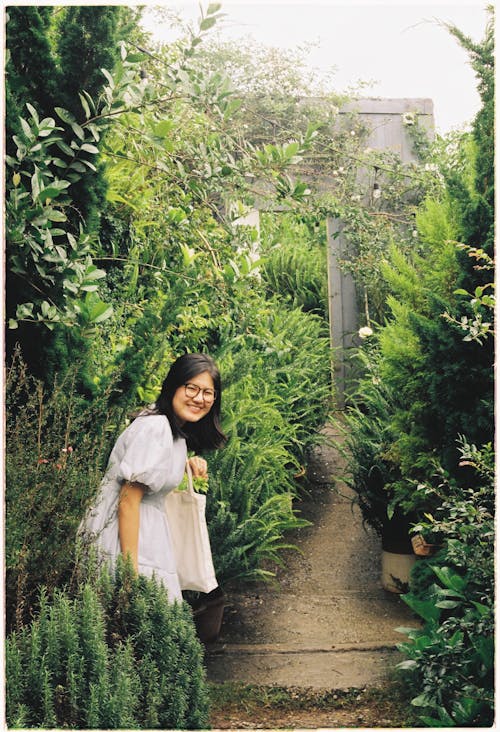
56,449
276,371
372,464
115,655
294,262
450,664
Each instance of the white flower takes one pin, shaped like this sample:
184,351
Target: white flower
365,332
409,118
353,133
414,233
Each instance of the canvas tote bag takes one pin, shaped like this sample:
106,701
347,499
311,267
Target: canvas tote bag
185,511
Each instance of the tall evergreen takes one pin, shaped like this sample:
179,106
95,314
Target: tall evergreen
87,42
469,391
54,53
456,375
478,215
31,69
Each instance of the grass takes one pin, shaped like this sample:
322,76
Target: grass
243,702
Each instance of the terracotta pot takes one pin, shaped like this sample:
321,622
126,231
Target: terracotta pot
421,548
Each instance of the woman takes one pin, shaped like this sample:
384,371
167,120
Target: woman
149,460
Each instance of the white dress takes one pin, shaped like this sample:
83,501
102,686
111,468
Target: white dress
146,453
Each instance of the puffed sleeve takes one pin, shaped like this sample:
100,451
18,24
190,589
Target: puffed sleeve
147,456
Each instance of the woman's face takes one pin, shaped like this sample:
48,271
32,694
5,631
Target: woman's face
190,406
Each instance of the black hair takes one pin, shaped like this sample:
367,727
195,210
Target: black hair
206,434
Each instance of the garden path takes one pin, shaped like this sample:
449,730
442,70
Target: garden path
328,624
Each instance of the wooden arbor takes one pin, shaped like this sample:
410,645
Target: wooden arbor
385,118
388,130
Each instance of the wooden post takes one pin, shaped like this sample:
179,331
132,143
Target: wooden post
342,307
387,121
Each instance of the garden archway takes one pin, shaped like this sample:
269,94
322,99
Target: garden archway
387,122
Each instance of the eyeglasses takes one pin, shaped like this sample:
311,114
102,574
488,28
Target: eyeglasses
192,391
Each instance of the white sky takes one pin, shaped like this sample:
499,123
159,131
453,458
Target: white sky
400,46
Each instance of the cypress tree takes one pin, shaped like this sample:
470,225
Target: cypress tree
31,69
88,42
54,54
459,374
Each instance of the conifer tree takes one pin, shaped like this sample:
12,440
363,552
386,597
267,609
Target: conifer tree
458,374
55,53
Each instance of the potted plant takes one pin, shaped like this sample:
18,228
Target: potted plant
372,474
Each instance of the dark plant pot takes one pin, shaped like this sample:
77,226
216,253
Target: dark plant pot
395,535
208,612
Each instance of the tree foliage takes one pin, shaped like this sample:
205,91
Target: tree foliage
421,422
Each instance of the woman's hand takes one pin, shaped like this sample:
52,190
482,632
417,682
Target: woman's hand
199,467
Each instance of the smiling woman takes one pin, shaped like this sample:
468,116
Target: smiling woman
148,461
193,401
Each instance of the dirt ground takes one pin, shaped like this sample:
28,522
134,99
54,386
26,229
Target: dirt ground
296,708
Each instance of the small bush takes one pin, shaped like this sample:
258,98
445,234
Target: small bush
57,444
295,263
115,655
277,388
450,664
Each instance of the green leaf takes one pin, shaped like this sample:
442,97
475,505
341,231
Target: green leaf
33,112
78,166
406,665
163,128
109,78
54,214
116,197
85,106
64,115
425,608
47,126
93,273
90,148
65,148
213,8
207,23
25,310
36,183
13,324
100,311
450,579
89,165
51,192
78,131
422,700
27,129
59,163
291,149
447,604
71,286
483,610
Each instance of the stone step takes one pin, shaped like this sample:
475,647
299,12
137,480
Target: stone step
342,667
